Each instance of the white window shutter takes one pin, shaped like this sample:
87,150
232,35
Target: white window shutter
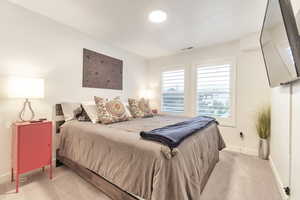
214,91
173,91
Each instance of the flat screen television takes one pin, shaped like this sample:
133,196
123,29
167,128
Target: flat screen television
280,43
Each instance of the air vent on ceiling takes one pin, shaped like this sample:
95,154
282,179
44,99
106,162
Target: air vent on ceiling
187,49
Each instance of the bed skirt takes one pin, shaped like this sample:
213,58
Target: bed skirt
108,188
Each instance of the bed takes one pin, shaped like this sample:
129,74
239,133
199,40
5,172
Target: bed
137,167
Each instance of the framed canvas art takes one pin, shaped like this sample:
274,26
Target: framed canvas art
101,71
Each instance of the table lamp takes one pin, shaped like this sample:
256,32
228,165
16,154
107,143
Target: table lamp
26,88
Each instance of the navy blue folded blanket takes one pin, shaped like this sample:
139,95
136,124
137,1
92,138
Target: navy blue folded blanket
174,134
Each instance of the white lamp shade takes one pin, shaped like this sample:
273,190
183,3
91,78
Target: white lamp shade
26,88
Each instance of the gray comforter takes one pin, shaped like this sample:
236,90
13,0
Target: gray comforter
144,168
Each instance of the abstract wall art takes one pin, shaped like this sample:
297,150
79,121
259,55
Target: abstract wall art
101,71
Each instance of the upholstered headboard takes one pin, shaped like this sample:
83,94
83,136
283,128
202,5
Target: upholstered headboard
59,118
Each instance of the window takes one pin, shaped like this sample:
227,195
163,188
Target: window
173,91
214,90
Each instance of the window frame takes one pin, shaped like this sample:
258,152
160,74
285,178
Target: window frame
174,68
230,121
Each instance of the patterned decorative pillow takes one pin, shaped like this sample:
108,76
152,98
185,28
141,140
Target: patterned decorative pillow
110,111
145,107
140,108
134,108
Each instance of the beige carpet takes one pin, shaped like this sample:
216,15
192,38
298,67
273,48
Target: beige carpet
236,177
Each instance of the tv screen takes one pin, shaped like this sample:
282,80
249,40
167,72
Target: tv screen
280,43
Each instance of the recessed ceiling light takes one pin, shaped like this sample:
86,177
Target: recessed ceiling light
157,16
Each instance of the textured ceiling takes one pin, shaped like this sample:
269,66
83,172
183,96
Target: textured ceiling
124,23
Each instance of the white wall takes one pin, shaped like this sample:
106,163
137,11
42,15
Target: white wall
295,173
252,90
35,46
296,6
280,131
285,118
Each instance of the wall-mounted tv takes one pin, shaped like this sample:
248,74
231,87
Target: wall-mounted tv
280,43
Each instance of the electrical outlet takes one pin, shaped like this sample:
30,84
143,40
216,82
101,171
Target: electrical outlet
242,135
287,191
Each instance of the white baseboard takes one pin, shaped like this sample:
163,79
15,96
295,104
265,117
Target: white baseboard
278,180
247,151
4,178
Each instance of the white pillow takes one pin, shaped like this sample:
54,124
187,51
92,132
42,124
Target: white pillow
91,110
68,110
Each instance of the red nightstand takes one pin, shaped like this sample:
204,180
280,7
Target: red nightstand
31,148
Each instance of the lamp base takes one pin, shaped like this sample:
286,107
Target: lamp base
22,112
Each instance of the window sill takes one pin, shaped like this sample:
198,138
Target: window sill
230,122
226,122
